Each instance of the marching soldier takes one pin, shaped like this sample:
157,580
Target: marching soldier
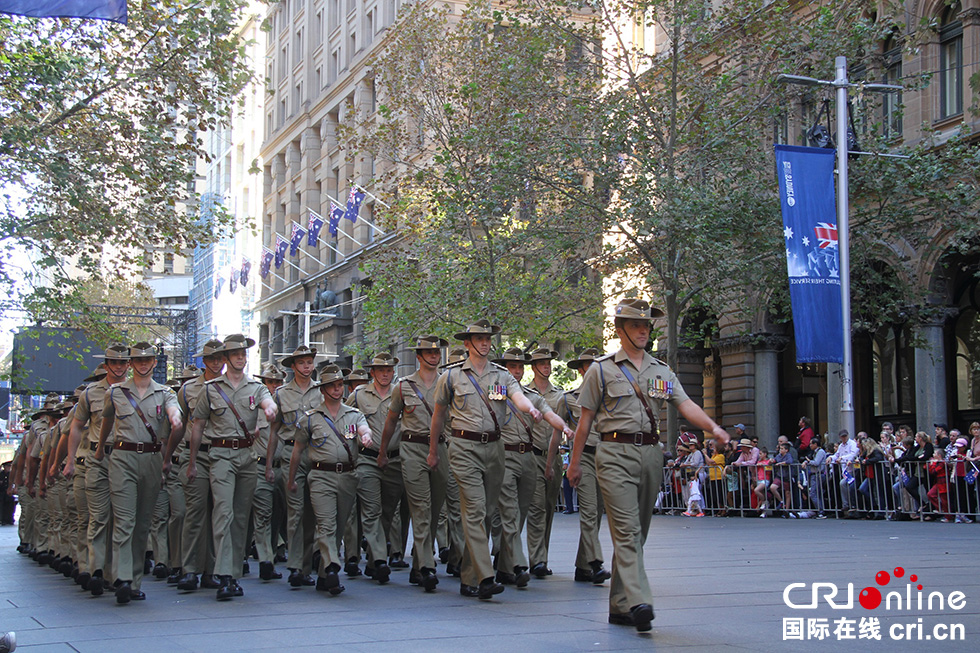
175,487
520,473
140,414
292,401
77,481
621,394
196,537
265,492
411,408
87,424
379,490
40,432
474,395
547,482
330,432
227,415
353,379
588,559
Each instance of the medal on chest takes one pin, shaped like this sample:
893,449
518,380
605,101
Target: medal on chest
351,432
497,392
659,389
251,403
159,411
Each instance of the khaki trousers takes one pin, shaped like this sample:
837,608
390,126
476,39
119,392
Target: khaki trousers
516,493
333,495
196,540
379,492
479,472
175,525
262,505
629,478
134,483
28,506
425,490
541,514
450,530
234,473
81,520
100,527
300,520
589,515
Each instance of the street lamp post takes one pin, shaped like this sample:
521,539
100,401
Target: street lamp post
841,85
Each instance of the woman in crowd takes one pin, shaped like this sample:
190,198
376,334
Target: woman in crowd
815,467
957,478
871,458
910,469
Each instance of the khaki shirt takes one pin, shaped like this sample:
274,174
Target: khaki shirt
41,433
293,404
543,430
128,426
367,400
89,409
607,391
513,430
467,411
571,412
219,420
261,444
325,446
405,402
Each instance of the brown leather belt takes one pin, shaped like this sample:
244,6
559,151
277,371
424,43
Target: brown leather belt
80,460
290,442
589,448
523,447
477,436
418,438
373,453
538,452
232,443
262,460
630,438
139,447
332,467
94,446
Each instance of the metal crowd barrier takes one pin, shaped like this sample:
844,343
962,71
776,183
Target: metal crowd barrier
929,490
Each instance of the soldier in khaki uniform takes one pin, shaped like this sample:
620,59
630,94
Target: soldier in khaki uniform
176,500
474,395
331,433
44,420
140,413
28,528
622,394
411,407
66,513
588,559
196,536
547,483
379,491
226,415
449,532
85,429
353,379
265,492
292,401
77,480
520,472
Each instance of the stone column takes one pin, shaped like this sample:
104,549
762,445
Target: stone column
930,377
767,388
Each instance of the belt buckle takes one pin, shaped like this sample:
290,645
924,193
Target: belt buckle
522,447
638,439
235,444
340,467
139,447
484,437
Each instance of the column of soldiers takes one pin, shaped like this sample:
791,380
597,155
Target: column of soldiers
190,475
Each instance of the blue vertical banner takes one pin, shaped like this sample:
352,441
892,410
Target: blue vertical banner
806,191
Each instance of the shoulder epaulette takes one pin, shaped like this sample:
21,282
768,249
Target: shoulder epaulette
211,381
500,367
310,412
605,357
451,366
657,360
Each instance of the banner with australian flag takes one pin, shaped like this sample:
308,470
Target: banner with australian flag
806,191
114,10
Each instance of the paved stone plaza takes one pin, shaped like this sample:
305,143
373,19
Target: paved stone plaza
718,585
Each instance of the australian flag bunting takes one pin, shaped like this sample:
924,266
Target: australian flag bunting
336,213
354,204
265,265
218,283
313,228
296,239
233,281
806,191
246,268
281,246
114,10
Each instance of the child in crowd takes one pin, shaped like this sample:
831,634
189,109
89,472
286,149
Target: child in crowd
763,476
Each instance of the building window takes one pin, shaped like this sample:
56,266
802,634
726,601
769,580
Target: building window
298,47
780,129
951,63
892,102
893,376
967,343
168,263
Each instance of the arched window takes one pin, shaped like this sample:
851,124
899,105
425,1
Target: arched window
892,102
967,334
893,371
951,63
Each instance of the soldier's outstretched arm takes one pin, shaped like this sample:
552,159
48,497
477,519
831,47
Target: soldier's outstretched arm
574,471
435,430
697,417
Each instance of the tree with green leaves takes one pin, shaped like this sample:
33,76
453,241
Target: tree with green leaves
483,130
100,131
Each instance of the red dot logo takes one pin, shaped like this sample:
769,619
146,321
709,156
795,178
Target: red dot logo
870,597
913,578
899,572
919,586
882,578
